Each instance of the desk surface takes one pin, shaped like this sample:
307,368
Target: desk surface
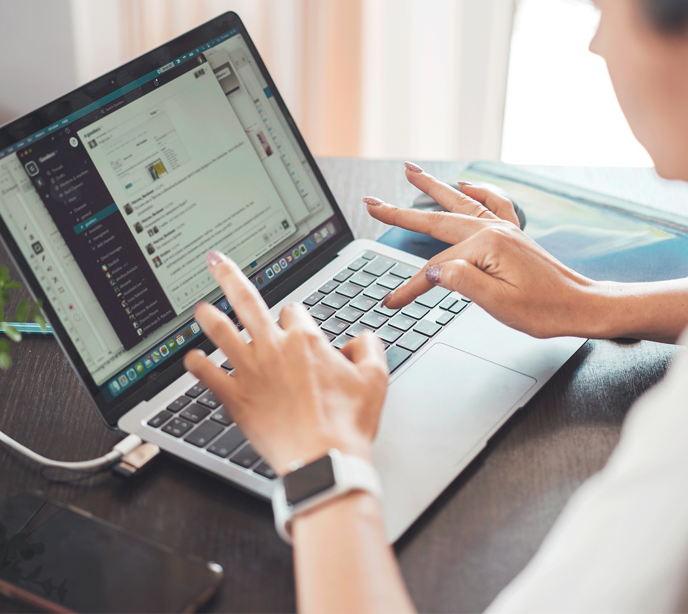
471,542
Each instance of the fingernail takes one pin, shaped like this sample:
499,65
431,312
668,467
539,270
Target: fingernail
414,168
434,274
371,200
214,258
386,300
463,184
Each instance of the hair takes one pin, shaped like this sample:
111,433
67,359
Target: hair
670,16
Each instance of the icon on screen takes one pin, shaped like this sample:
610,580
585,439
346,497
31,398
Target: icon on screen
187,333
156,356
270,273
32,169
114,386
140,369
276,268
283,263
302,248
296,253
123,380
290,258
164,350
195,328
171,344
131,374
179,339
224,305
148,361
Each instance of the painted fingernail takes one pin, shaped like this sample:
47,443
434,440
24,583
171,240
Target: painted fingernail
371,200
434,274
386,300
414,168
214,258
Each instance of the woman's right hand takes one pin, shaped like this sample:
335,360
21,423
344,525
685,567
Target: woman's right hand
492,262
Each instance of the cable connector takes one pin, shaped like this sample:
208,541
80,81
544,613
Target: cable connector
135,459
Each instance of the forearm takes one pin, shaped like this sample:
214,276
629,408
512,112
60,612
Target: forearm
656,311
343,561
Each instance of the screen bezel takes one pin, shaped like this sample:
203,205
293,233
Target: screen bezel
19,129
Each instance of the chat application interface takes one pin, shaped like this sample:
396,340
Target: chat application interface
115,209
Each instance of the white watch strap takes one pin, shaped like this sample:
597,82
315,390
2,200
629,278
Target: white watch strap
350,473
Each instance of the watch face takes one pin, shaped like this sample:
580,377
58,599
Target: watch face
308,481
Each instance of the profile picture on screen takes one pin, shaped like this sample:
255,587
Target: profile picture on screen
128,209
150,248
138,227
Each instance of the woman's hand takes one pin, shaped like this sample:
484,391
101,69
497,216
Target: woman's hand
492,262
292,394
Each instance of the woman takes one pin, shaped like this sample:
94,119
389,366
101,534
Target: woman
622,541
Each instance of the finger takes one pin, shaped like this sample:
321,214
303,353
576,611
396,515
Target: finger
367,353
223,333
466,279
443,226
451,199
497,204
246,301
216,378
295,315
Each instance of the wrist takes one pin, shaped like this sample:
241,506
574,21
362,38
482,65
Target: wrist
602,317
317,447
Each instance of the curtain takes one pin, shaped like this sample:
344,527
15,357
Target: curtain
379,78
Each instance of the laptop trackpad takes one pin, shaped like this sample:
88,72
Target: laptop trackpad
439,410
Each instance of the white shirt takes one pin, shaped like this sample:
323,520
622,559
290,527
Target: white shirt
621,543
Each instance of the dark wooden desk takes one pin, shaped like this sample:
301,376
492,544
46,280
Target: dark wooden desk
457,557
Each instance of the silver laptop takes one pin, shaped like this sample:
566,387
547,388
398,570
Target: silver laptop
111,196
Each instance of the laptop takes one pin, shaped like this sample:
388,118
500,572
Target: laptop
110,198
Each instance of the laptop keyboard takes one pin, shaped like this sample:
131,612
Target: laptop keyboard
344,308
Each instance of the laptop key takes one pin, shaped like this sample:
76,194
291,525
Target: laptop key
227,365
180,403
227,443
335,326
412,341
342,276
448,303
402,322
246,457
376,292
265,470
358,329
385,311
330,286
195,413
349,314
335,301
404,271
379,266
433,298
388,334
329,336
458,307
321,312
203,434
341,341
221,416
349,290
196,391
416,311
358,264
313,299
369,255
374,320
363,303
427,328
177,427
160,419
362,279
390,282
445,318
396,357
209,400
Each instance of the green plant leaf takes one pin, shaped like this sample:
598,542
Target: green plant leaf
4,273
12,333
5,360
13,285
40,320
23,310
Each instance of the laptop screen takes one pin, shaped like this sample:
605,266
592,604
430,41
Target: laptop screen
115,206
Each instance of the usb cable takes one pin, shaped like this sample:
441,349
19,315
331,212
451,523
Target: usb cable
130,455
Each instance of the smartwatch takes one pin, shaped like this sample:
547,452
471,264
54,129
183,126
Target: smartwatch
309,486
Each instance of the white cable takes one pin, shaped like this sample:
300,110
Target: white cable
123,448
